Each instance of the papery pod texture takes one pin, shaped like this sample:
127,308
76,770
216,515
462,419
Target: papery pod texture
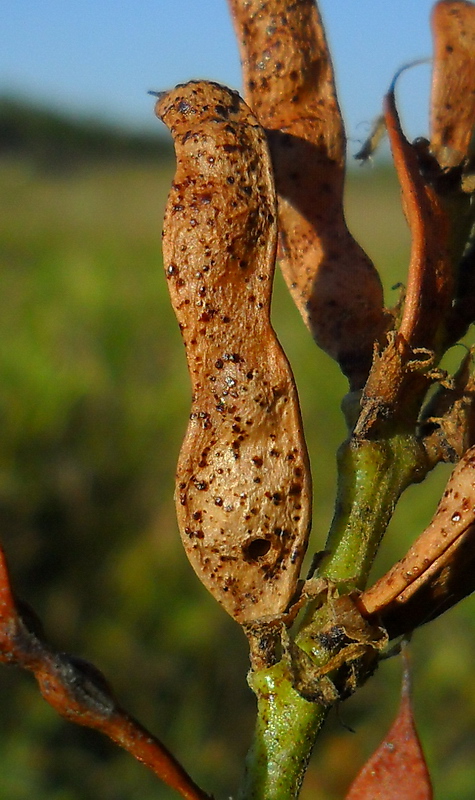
243,482
289,84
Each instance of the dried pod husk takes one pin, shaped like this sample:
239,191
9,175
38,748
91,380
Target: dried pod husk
289,84
452,138
450,581
243,481
430,279
452,145
434,558
401,373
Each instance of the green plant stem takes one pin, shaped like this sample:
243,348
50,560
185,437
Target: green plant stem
372,476
286,729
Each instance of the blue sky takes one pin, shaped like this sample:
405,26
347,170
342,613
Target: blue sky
100,57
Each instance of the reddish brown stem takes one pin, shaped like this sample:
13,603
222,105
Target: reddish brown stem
79,692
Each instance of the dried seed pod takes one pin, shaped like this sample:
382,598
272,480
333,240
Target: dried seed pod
435,548
243,482
401,373
289,84
453,85
430,279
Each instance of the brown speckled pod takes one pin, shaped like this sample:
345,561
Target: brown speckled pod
243,482
288,79
453,84
435,549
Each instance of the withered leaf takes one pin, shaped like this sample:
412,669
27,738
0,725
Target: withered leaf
289,84
397,769
453,84
243,482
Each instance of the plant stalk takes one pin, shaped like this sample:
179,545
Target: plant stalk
372,476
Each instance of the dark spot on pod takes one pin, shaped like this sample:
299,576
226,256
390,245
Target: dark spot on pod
194,534
256,549
257,460
231,148
201,485
295,489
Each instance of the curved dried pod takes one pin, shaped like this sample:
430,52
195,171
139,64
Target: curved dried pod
401,373
430,279
453,145
243,481
288,79
436,548
452,138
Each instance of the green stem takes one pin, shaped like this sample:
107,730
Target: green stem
286,729
372,476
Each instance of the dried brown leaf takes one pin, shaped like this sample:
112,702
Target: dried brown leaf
453,84
288,78
397,770
243,481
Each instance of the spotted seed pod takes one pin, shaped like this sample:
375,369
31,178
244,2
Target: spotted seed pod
289,84
243,483
453,84
436,548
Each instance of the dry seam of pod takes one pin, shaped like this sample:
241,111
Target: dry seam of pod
243,481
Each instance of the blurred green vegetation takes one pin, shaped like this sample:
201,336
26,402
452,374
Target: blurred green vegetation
94,401
56,142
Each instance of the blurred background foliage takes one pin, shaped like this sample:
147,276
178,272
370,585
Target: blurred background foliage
94,400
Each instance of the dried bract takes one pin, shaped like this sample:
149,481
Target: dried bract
243,483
